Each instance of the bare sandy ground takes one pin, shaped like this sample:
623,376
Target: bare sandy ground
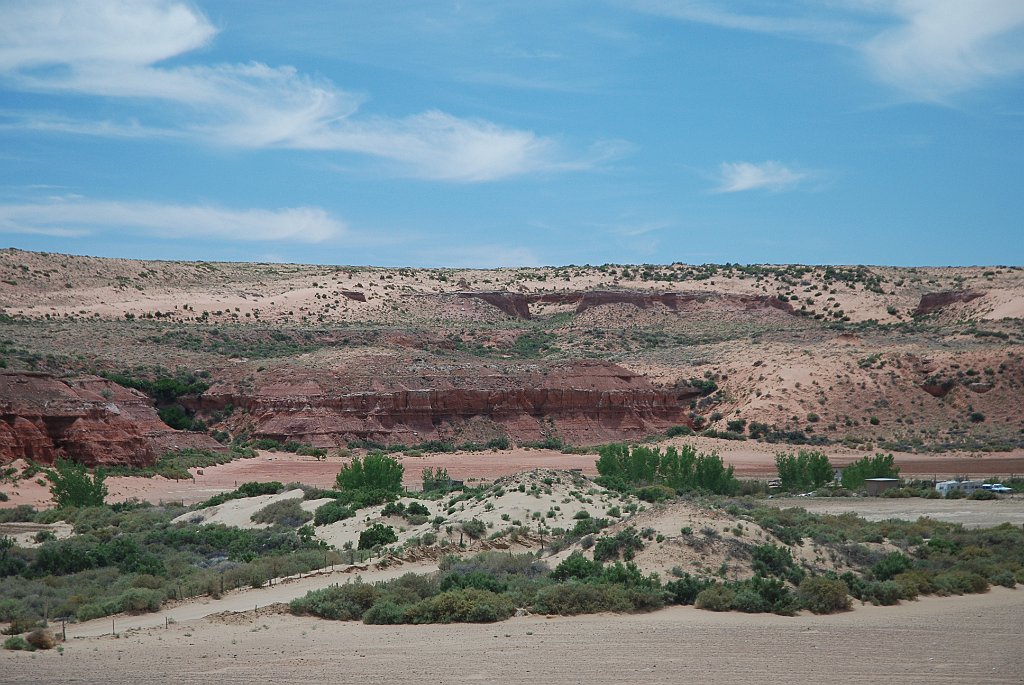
970,513
933,640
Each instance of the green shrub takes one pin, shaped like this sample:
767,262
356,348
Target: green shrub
330,512
474,528
716,597
385,613
71,485
685,589
655,493
772,560
626,542
573,597
749,601
805,470
681,469
576,566
891,565
251,489
17,642
374,472
824,595
462,606
885,592
288,513
141,600
479,580
377,535
878,466
339,602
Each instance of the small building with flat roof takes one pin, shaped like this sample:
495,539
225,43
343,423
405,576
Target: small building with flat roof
876,486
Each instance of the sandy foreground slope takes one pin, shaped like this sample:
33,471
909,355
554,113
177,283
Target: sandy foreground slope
933,640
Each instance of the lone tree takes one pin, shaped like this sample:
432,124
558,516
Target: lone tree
375,472
71,485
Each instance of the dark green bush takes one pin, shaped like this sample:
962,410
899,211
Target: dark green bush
685,589
462,606
824,595
576,566
331,512
287,513
715,597
374,472
891,565
377,535
385,612
573,597
339,602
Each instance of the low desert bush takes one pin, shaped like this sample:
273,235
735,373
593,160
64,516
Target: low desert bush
288,513
332,512
468,605
824,595
716,597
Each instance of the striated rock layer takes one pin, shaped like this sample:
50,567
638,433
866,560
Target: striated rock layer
88,419
517,305
586,402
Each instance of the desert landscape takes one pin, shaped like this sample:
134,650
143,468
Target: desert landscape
620,341
196,390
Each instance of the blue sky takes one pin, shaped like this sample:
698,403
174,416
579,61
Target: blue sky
515,133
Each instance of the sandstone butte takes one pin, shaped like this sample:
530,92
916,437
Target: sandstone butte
96,422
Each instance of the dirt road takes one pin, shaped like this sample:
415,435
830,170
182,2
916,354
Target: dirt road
970,513
248,599
971,639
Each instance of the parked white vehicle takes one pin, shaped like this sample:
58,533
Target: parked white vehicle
965,486
997,487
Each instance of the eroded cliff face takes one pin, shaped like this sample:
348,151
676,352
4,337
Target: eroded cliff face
87,419
933,302
581,403
517,305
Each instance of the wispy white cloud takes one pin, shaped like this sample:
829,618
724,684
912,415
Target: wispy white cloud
119,49
942,47
928,49
76,217
734,177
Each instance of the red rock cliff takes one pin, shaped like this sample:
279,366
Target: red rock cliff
587,402
88,419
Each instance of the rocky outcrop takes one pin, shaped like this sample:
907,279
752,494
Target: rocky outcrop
588,402
517,305
675,301
88,419
937,387
354,295
933,302
514,304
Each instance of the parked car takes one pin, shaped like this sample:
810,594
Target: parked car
997,487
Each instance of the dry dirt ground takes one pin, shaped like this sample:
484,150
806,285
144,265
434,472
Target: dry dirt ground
970,639
970,513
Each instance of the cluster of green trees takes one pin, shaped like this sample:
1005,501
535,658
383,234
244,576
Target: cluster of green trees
805,470
878,466
683,469
808,470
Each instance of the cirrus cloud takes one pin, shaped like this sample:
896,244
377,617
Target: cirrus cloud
123,51
928,49
79,217
734,177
